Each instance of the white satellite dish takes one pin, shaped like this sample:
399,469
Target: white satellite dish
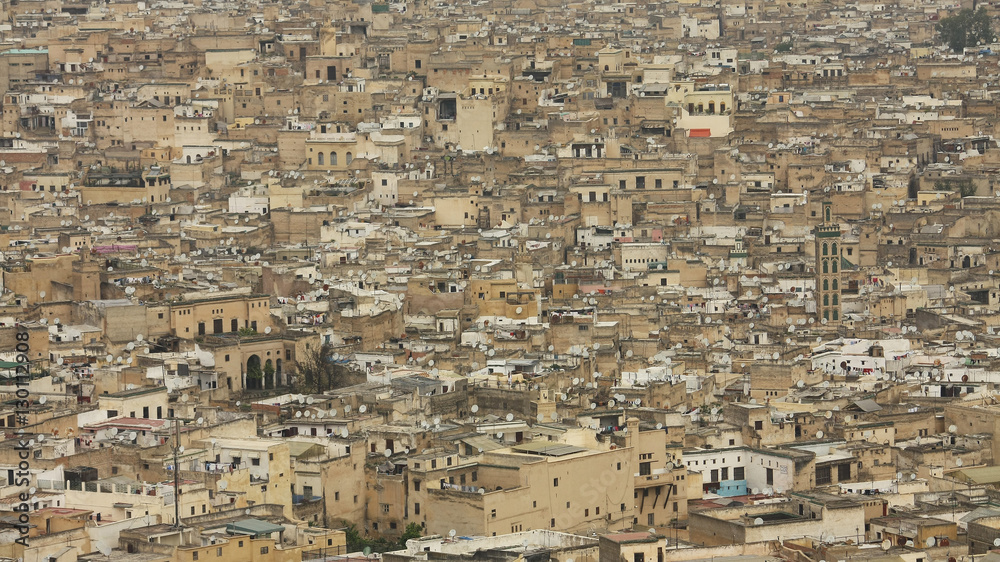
362,409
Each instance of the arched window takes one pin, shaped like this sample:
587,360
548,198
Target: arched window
333,158
826,315
836,300
836,286
826,300
711,107
833,249
828,218
606,68
826,249
836,315
348,158
826,284
826,266
834,264
319,159
722,107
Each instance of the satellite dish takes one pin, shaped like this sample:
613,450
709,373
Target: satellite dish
887,544
452,533
475,408
223,484
930,542
952,428
104,548
509,417
758,521
958,462
201,421
388,453
362,409
819,435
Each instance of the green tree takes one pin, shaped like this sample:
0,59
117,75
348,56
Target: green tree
413,531
356,542
783,47
966,188
967,28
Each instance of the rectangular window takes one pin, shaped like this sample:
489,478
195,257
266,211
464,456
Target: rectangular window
844,472
738,473
555,482
823,475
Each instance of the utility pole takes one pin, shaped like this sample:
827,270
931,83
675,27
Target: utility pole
177,488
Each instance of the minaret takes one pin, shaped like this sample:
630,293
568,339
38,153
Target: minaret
86,277
828,245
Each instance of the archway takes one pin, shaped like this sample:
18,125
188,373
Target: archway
254,374
966,262
268,374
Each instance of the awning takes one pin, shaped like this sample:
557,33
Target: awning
253,527
700,133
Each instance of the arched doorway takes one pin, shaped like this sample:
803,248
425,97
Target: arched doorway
254,374
269,374
966,262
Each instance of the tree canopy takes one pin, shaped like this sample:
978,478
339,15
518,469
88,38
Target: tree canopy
967,28
318,371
